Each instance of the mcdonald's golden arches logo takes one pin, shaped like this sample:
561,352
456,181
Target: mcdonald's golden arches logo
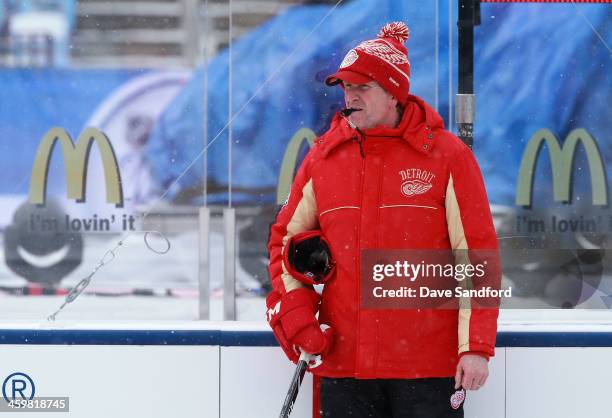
562,164
76,157
289,164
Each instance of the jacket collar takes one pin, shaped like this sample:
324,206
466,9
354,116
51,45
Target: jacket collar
420,126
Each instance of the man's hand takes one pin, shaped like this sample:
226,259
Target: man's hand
472,372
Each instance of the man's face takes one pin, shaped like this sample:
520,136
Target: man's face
376,106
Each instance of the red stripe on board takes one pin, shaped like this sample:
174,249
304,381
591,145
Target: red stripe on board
35,290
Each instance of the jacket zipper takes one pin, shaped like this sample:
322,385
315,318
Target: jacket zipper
358,299
360,138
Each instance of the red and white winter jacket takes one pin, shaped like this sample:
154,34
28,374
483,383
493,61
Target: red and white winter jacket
355,198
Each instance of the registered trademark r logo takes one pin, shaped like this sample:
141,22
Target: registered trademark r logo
18,383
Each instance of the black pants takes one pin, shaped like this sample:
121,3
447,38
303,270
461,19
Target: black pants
389,398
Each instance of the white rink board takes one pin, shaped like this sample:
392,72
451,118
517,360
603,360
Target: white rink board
187,382
559,382
254,382
120,381
488,402
230,370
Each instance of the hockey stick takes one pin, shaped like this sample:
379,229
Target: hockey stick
296,381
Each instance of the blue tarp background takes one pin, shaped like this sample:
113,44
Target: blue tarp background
537,66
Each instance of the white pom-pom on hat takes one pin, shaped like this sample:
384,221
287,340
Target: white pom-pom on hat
396,30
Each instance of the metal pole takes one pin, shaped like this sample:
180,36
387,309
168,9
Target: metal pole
229,112
437,52
469,16
204,212
191,19
205,118
450,65
204,264
229,263
229,213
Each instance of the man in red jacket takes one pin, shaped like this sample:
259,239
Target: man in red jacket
386,175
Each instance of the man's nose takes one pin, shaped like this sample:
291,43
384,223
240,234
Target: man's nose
351,96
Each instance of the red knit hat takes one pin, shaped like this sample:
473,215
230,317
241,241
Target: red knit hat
384,60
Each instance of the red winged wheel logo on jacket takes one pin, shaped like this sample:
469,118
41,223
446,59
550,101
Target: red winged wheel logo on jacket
416,181
412,187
